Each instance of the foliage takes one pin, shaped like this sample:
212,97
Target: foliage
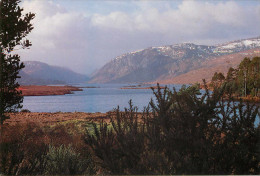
245,80
14,27
22,148
25,110
218,77
64,160
25,149
181,133
119,147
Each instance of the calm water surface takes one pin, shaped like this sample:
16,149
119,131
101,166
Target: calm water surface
102,99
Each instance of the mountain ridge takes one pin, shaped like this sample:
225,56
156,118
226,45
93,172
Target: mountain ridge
39,73
218,64
164,62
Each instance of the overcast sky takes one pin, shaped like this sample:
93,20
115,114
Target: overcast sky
84,35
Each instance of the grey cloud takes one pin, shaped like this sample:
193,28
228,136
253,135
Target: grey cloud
86,42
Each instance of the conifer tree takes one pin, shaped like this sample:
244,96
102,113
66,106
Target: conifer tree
14,27
243,74
255,75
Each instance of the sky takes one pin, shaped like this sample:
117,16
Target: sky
84,35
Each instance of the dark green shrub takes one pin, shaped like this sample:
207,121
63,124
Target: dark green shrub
25,110
184,132
63,160
120,145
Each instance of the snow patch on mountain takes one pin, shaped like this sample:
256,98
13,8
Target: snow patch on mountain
126,54
238,45
134,52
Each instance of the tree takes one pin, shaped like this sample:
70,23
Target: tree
255,75
15,26
243,73
231,83
231,74
243,81
217,79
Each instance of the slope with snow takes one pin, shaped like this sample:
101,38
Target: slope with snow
166,62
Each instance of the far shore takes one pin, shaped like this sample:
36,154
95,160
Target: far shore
44,90
236,98
132,87
249,99
33,90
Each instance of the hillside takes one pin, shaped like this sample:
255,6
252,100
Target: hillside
209,67
175,62
38,73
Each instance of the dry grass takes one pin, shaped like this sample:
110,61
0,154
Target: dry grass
53,118
47,90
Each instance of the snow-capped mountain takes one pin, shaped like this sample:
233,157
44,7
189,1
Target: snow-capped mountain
237,46
163,62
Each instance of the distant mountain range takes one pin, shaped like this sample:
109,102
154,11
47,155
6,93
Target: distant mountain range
39,73
179,63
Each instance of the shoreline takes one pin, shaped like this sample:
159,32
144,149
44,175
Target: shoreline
236,98
35,90
248,99
154,87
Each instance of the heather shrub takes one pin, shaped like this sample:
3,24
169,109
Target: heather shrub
22,147
64,160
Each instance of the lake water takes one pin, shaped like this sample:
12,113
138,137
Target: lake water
102,99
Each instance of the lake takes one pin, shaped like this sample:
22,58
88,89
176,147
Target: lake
102,99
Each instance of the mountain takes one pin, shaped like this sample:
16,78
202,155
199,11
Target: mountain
39,73
155,64
209,67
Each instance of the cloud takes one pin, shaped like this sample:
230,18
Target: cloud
86,40
191,18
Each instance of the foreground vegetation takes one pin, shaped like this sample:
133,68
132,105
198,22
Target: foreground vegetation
180,133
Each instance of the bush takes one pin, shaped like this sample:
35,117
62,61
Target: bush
182,133
64,160
25,110
24,147
120,144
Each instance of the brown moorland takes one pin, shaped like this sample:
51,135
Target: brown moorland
52,118
34,90
57,117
